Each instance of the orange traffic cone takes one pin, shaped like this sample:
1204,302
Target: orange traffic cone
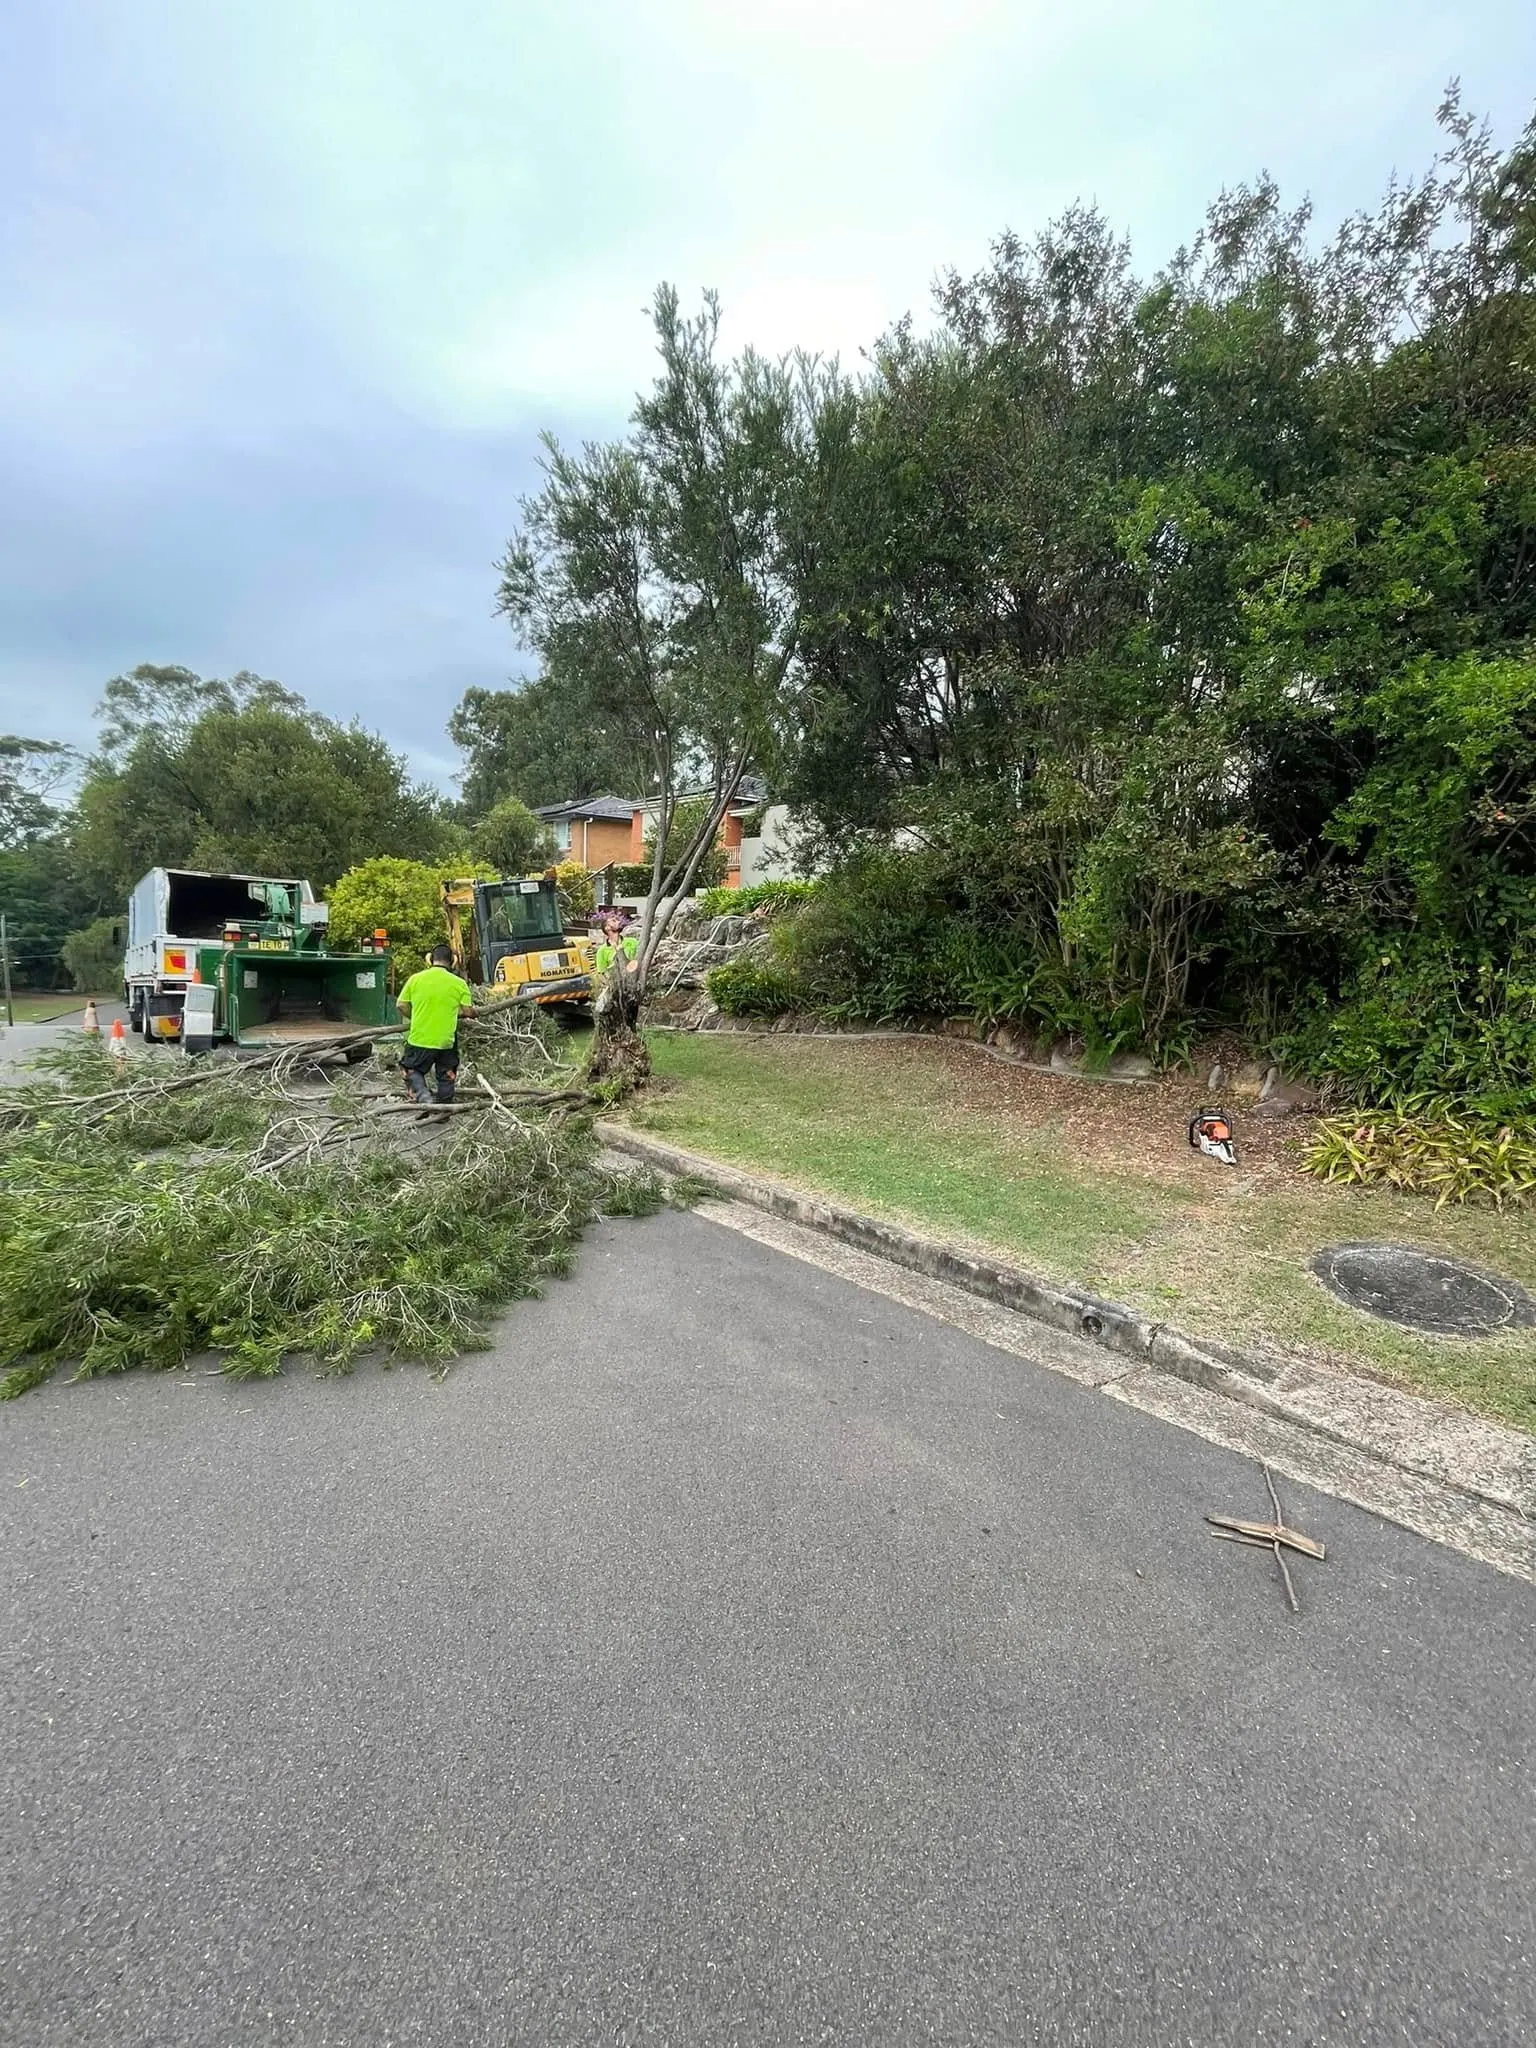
117,1042
92,1025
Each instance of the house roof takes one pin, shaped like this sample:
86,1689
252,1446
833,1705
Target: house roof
750,792
618,807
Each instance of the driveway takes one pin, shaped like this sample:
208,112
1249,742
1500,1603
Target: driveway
733,1656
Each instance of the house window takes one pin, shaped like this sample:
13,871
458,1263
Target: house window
562,831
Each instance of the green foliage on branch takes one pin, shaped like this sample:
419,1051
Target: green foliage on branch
145,1224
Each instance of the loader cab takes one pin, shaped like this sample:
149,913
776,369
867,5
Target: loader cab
513,918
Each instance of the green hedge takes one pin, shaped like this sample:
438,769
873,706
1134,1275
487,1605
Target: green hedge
633,878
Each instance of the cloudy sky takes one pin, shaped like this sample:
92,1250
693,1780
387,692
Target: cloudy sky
288,288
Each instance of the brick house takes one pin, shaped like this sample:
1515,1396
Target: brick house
593,830
600,830
751,795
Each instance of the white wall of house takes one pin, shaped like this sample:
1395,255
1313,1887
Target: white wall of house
770,857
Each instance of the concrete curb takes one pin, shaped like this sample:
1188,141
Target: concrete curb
1480,1459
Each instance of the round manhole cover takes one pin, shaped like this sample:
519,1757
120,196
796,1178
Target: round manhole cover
1423,1291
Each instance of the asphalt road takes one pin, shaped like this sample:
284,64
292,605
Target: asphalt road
20,1043
733,1656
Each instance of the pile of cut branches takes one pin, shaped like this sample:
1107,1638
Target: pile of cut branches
289,1203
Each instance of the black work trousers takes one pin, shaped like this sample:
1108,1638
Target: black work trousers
418,1061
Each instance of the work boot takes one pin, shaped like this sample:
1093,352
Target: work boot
445,1090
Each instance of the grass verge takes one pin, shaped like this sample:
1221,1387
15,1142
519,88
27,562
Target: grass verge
42,1006
1092,1183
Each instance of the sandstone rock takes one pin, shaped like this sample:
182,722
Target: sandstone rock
1063,1059
1288,1098
1249,1079
1216,1079
1132,1066
1019,1042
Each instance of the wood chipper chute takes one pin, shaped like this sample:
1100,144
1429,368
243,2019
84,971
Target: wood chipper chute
511,936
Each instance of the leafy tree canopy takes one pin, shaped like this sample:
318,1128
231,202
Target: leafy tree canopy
242,777
30,774
659,580
543,742
511,840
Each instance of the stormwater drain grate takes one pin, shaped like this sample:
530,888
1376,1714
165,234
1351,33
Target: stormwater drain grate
1422,1291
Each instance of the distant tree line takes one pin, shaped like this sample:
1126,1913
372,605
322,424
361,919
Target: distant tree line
234,774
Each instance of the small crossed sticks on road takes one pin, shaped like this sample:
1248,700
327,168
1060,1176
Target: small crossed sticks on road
1273,1536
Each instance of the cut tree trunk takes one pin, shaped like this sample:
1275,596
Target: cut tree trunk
619,1053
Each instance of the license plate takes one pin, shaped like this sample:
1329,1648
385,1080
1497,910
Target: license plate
272,946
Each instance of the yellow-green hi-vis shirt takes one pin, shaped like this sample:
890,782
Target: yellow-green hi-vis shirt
436,996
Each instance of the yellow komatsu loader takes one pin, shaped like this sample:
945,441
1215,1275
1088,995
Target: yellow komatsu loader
511,937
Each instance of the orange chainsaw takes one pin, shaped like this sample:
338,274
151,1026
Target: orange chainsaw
1211,1133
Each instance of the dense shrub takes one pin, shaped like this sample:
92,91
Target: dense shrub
893,933
876,940
578,895
401,897
631,878
94,955
757,986
1417,1020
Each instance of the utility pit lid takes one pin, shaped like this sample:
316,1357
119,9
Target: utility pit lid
1424,1290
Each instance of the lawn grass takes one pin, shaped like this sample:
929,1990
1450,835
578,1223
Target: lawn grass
42,1006
1075,1181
